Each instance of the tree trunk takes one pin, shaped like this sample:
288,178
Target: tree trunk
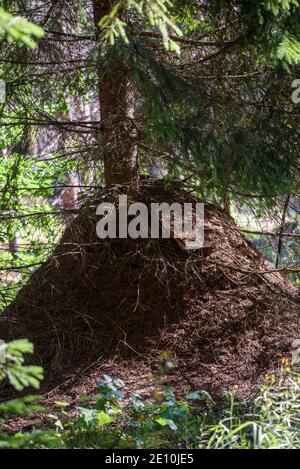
227,202
281,231
118,131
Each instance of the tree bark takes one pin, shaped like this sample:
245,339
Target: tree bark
227,202
117,103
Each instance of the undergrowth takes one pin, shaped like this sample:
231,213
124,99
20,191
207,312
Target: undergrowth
112,419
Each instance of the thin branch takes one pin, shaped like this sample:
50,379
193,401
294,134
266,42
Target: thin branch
183,40
269,233
21,267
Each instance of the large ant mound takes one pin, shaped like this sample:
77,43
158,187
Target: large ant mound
221,317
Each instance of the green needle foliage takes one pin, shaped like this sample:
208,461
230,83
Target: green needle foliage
272,26
157,13
12,365
18,29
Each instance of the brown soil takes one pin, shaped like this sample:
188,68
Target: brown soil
113,307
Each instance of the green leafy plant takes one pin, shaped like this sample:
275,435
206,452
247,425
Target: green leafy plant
34,440
105,408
